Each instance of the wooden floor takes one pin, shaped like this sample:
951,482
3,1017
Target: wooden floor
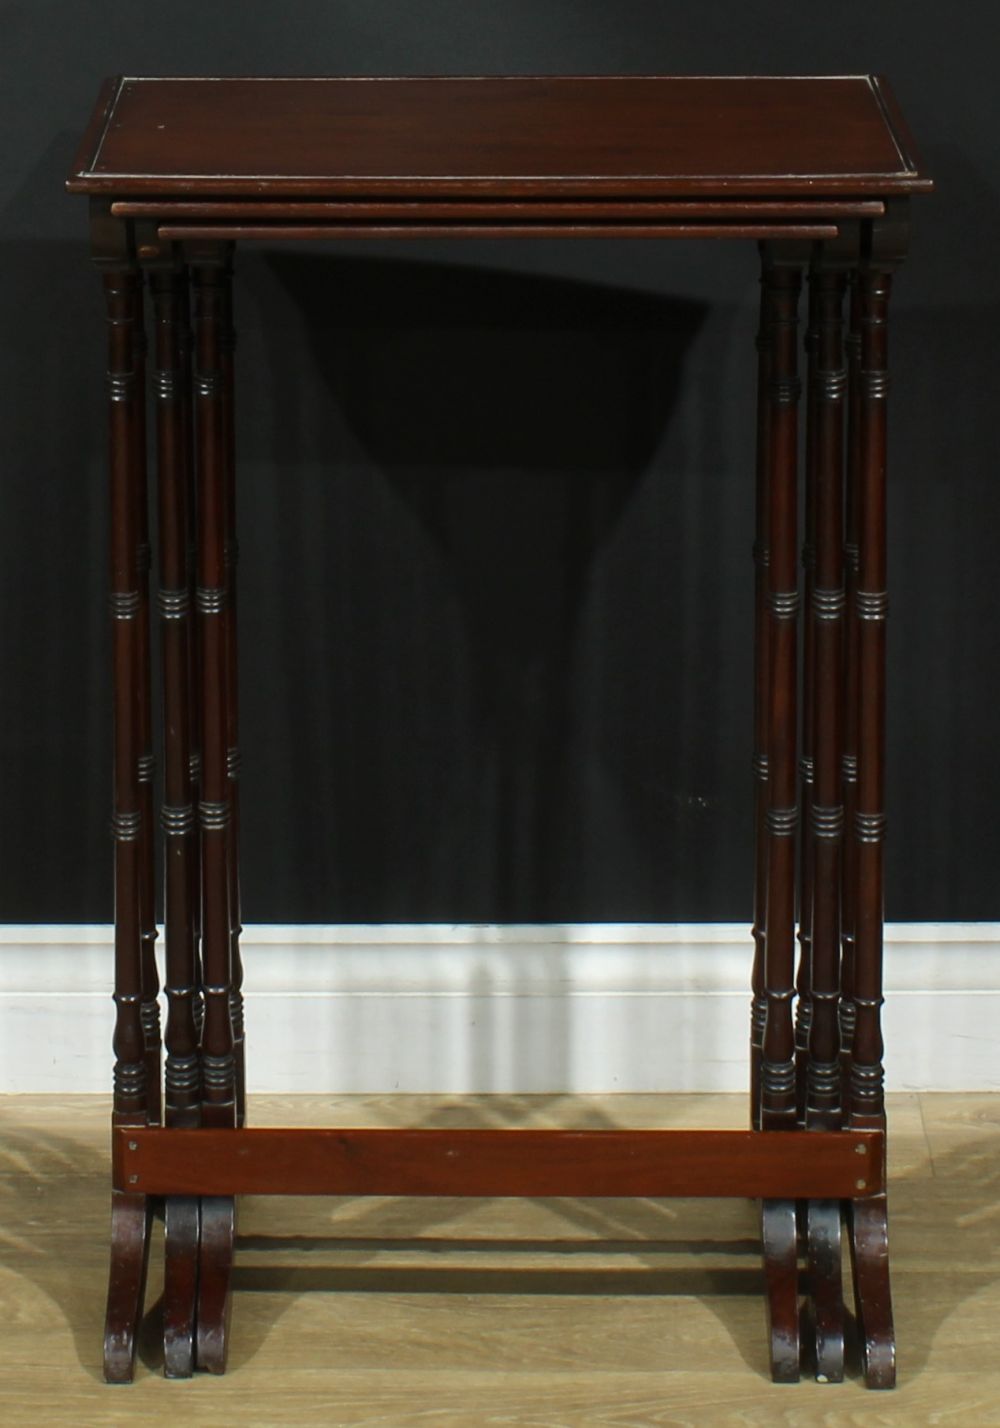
447,1312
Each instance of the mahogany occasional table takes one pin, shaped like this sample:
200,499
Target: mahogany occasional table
818,171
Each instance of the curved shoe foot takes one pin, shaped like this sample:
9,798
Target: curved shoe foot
180,1284
826,1288
869,1232
131,1220
215,1271
781,1274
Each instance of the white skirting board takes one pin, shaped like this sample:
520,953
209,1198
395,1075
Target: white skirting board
512,1009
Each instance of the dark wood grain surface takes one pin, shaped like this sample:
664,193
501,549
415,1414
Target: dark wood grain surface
425,1161
572,135
708,210
186,232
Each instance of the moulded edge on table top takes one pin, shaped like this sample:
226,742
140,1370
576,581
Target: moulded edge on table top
908,178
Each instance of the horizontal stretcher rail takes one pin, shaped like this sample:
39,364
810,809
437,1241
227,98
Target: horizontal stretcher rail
764,209
216,232
417,1161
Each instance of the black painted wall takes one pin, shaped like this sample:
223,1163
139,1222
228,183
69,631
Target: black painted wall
496,498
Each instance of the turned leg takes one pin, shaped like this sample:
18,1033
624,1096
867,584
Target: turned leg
191,676
218,1062
803,980
758,1007
778,1081
218,1085
849,763
869,1231
227,348
130,1214
144,718
825,814
183,1072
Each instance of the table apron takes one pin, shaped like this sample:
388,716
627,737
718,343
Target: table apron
226,232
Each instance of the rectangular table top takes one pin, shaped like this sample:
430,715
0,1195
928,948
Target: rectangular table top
649,136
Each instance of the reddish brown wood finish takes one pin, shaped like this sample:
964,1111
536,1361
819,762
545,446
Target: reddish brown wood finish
826,605
778,1063
183,1066
778,1069
216,671
762,676
227,350
849,878
130,1213
267,1161
170,232
130,1105
869,1228
181,1245
131,1221
559,136
183,1072
820,168
870,609
185,350
435,210
215,1271
803,979
869,1242
779,1239
825,1287
823,808
218,1067
144,724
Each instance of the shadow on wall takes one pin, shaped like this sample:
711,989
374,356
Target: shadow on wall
488,519
461,471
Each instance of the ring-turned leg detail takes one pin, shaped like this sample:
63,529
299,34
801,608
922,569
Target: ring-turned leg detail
825,814
849,761
218,1073
869,1229
130,1214
761,557
803,979
215,810
185,360
778,1108
144,720
183,1068
227,349
777,1075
